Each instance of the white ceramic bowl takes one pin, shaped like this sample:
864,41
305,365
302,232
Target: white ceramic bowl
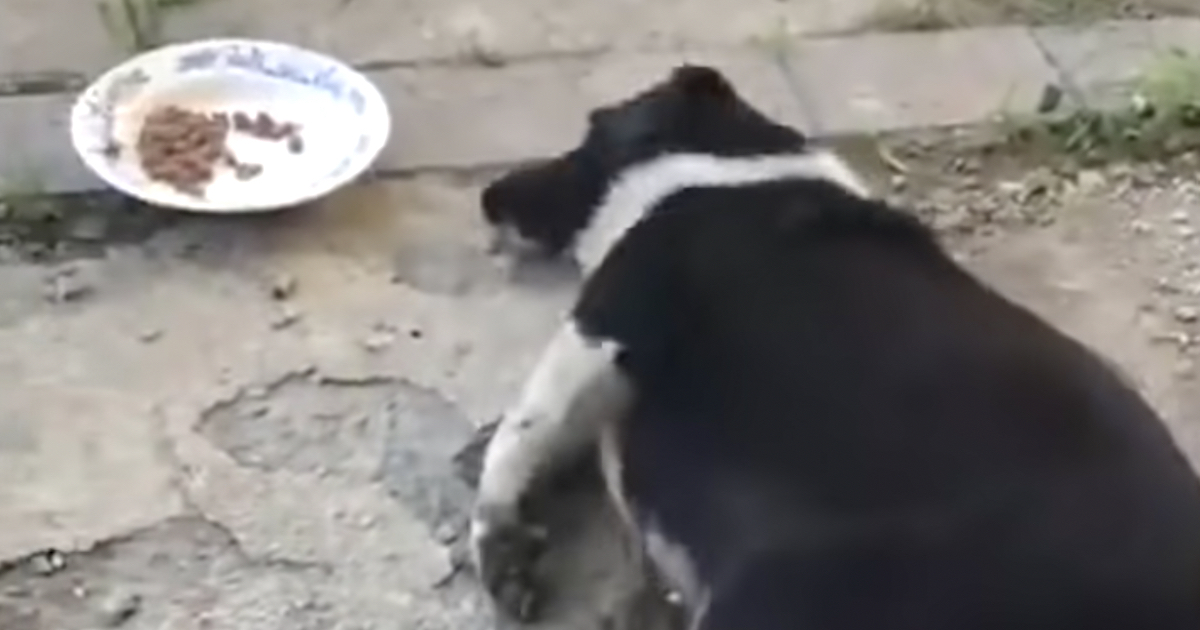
343,120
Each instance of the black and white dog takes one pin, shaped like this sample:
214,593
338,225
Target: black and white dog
815,418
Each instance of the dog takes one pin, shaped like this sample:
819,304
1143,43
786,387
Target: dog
812,417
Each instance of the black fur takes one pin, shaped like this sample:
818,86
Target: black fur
845,429
694,110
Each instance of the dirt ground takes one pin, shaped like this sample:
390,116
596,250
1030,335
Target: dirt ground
1109,253
923,15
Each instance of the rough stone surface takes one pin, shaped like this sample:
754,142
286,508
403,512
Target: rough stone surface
458,116
1104,63
373,31
35,131
70,34
250,423
44,35
882,82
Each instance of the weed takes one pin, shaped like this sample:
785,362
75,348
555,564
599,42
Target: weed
927,15
137,24
1159,118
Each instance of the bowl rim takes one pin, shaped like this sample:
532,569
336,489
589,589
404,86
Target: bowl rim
378,131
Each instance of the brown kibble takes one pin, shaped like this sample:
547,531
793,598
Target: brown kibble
183,148
242,122
264,126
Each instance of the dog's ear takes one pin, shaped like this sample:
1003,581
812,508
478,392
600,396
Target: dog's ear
701,81
632,297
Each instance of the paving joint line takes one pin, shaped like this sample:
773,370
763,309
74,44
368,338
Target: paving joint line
795,87
1065,79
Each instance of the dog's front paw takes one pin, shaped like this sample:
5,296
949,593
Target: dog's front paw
506,553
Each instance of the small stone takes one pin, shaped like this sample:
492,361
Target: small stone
1180,216
1089,180
287,317
1186,314
150,335
67,287
445,534
1185,369
1185,231
899,182
118,608
1166,286
378,341
48,562
283,287
1139,226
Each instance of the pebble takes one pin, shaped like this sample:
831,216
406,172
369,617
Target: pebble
287,317
67,286
48,562
1089,181
283,287
118,608
1180,216
1139,226
445,533
378,341
150,335
1185,369
1186,314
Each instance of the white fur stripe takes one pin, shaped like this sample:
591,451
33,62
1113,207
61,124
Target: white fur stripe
644,186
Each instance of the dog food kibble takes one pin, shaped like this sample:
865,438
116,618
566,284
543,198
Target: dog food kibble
184,148
179,147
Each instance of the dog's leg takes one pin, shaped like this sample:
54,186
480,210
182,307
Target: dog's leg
545,429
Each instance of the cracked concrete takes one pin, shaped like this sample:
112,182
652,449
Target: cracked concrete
282,396
251,423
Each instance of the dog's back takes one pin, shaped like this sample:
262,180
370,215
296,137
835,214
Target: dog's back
845,430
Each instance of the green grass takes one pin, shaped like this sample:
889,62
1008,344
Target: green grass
926,15
1160,118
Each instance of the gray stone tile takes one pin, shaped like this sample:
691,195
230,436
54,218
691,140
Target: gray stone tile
886,82
41,35
37,155
1104,63
463,116
413,30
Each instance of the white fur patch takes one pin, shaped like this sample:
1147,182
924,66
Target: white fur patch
552,419
644,186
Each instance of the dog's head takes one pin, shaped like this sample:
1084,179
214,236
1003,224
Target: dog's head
695,110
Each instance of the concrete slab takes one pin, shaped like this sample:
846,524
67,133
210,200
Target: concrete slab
444,116
89,452
881,82
1104,63
37,155
44,35
414,30
463,116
